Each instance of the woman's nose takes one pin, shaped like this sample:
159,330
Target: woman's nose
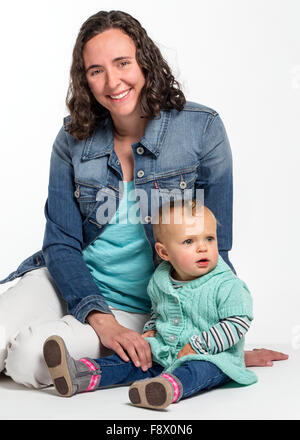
112,80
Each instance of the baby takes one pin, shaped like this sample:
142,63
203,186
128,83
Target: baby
200,314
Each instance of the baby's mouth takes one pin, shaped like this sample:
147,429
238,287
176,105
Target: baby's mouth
202,262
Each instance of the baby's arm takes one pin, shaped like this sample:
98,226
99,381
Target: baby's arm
221,336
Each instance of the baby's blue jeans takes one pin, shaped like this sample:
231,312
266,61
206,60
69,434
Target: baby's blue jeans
194,375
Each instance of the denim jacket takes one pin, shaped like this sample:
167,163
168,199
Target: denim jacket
179,151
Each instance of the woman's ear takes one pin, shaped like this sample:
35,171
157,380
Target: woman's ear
161,250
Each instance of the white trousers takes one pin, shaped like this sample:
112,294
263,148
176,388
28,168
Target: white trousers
32,310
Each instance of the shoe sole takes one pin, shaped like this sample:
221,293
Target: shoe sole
154,393
54,351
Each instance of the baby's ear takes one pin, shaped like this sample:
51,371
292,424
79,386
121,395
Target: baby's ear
161,251
157,260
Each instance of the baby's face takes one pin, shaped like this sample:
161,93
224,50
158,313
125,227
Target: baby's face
191,247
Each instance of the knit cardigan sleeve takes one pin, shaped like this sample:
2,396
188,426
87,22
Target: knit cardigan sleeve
234,298
235,312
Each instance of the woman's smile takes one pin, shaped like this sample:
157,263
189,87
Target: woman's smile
120,96
113,73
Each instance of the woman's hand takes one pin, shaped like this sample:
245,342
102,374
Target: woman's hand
187,349
121,339
261,357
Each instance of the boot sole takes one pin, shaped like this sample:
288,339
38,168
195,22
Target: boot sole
154,393
54,351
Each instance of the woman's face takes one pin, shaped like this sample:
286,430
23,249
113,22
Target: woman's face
112,72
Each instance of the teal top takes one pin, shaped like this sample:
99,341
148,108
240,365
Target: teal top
195,307
120,259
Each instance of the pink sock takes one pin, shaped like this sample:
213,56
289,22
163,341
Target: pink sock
174,384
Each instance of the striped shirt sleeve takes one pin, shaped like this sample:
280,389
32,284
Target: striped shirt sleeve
221,336
151,324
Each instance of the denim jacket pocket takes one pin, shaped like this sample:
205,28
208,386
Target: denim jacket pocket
178,179
86,196
177,185
172,185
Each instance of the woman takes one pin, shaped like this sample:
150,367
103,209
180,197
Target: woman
129,128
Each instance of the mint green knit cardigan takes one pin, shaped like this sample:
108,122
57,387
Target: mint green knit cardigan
194,308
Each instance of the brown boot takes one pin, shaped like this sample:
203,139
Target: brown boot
69,376
156,393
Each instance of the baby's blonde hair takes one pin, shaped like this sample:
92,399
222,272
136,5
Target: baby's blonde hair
163,217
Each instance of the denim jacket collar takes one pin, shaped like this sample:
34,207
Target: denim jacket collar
155,132
101,142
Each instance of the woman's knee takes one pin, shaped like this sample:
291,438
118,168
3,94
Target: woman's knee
25,363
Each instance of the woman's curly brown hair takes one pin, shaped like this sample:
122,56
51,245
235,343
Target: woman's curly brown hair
160,92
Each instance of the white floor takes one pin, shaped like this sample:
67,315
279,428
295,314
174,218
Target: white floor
275,396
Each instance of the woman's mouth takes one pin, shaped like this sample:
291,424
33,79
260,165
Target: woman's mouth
121,96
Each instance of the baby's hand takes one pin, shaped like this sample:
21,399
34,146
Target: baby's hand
187,349
149,334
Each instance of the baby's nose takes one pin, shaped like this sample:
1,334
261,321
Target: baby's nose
201,247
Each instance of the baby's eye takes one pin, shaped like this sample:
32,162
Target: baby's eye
188,241
209,238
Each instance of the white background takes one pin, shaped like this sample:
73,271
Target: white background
239,57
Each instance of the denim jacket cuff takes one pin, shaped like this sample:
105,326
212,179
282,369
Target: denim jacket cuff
87,305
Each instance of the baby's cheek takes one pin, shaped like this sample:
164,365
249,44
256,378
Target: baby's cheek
185,260
215,256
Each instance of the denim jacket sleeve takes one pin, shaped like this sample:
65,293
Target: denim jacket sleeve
215,177
62,245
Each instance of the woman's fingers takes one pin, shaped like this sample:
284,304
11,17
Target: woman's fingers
120,352
137,349
131,351
262,357
125,342
148,355
145,355
272,355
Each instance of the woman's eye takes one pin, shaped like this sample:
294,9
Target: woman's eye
124,63
95,72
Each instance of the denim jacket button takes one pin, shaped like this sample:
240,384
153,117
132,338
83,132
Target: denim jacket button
140,150
77,192
182,185
148,219
140,173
